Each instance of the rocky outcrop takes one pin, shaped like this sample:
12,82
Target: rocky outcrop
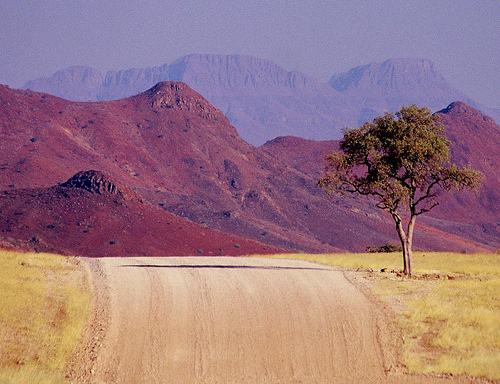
85,218
175,95
94,182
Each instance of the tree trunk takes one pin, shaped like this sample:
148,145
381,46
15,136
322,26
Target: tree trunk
409,244
406,241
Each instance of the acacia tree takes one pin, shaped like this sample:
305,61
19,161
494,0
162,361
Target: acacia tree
403,162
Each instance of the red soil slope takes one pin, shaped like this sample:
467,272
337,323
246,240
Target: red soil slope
475,141
304,155
176,151
90,215
168,144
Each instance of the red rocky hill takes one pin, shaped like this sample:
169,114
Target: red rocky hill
176,151
475,141
90,215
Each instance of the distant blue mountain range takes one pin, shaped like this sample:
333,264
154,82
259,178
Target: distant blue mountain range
263,101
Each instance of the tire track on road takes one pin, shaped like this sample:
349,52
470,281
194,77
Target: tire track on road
238,320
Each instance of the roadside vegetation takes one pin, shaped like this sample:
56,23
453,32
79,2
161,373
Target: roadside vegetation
44,304
449,311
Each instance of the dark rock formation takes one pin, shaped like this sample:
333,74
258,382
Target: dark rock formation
94,182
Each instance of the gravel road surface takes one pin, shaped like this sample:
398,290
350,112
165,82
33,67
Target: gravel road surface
232,320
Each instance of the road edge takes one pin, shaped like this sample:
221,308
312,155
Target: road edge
81,367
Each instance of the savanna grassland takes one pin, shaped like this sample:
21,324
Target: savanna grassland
449,311
44,304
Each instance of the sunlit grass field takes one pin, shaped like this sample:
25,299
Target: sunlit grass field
450,312
44,304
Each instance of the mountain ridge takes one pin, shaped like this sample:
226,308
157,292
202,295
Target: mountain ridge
389,73
265,101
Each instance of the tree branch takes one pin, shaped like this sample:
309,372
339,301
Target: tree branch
424,210
428,193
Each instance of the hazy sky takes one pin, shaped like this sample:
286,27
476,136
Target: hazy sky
320,38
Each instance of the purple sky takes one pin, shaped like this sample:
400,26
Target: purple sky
320,38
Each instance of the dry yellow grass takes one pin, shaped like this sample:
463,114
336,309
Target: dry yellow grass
44,303
449,311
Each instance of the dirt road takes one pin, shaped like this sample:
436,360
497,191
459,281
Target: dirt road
233,320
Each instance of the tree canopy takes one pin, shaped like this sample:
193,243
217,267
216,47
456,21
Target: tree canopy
403,161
